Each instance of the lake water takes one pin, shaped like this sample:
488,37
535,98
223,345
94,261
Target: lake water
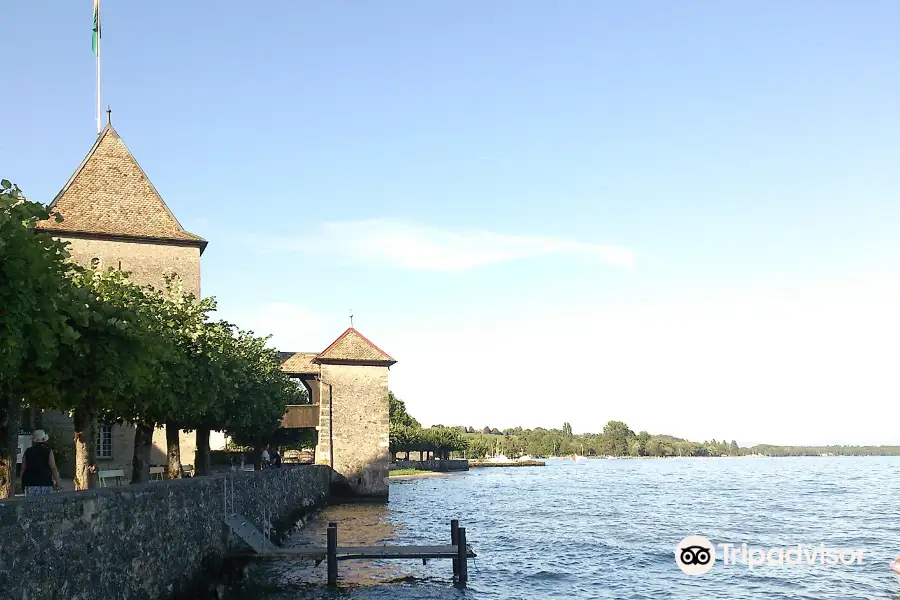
608,529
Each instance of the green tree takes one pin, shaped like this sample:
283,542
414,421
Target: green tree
653,447
192,374
402,439
478,447
100,374
618,437
33,285
263,392
152,389
398,414
444,440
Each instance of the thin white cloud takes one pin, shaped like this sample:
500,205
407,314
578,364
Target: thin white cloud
404,245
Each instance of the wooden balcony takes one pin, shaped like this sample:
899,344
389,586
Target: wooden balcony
301,416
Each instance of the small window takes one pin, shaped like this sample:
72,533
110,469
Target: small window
95,262
104,441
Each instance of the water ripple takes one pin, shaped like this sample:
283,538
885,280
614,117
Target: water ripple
607,529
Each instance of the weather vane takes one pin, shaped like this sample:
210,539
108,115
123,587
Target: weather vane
351,317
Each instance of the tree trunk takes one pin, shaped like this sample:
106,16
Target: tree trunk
173,451
257,454
85,438
202,458
10,418
140,462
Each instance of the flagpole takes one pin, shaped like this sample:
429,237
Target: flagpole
99,103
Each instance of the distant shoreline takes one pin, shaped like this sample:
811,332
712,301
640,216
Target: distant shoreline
725,457
418,475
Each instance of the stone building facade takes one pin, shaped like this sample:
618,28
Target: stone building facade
349,383
113,216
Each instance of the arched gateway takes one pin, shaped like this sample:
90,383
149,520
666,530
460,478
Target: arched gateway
114,217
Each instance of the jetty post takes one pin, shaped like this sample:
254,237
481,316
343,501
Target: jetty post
454,538
462,557
332,554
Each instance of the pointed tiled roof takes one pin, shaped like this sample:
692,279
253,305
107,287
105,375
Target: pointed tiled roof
352,347
109,195
299,363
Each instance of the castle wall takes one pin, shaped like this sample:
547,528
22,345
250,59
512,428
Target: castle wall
156,540
147,262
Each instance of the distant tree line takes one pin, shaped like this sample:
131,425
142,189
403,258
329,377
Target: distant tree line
616,439
770,450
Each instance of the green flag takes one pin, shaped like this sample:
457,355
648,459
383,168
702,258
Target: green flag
95,36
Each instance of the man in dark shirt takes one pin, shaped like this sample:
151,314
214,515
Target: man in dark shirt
275,457
39,474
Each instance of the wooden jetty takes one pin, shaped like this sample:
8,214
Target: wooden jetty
458,550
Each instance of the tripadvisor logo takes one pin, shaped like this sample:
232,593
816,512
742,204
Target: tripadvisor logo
695,555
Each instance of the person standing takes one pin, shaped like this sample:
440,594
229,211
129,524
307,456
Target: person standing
274,457
39,474
265,458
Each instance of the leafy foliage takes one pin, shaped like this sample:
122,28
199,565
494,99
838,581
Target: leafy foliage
406,434
399,416
33,289
33,321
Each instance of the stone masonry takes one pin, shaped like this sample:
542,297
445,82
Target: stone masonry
361,428
143,542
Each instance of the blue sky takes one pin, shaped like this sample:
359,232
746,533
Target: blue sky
545,211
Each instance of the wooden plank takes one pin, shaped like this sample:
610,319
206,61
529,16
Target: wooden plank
366,552
301,416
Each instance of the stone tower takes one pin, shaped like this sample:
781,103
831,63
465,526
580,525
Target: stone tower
348,384
114,217
354,417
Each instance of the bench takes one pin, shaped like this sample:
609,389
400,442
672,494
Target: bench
106,474
187,470
157,473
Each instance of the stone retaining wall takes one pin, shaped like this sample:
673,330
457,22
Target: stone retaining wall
441,466
149,542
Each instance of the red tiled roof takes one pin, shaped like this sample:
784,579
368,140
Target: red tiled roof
110,195
299,363
352,346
